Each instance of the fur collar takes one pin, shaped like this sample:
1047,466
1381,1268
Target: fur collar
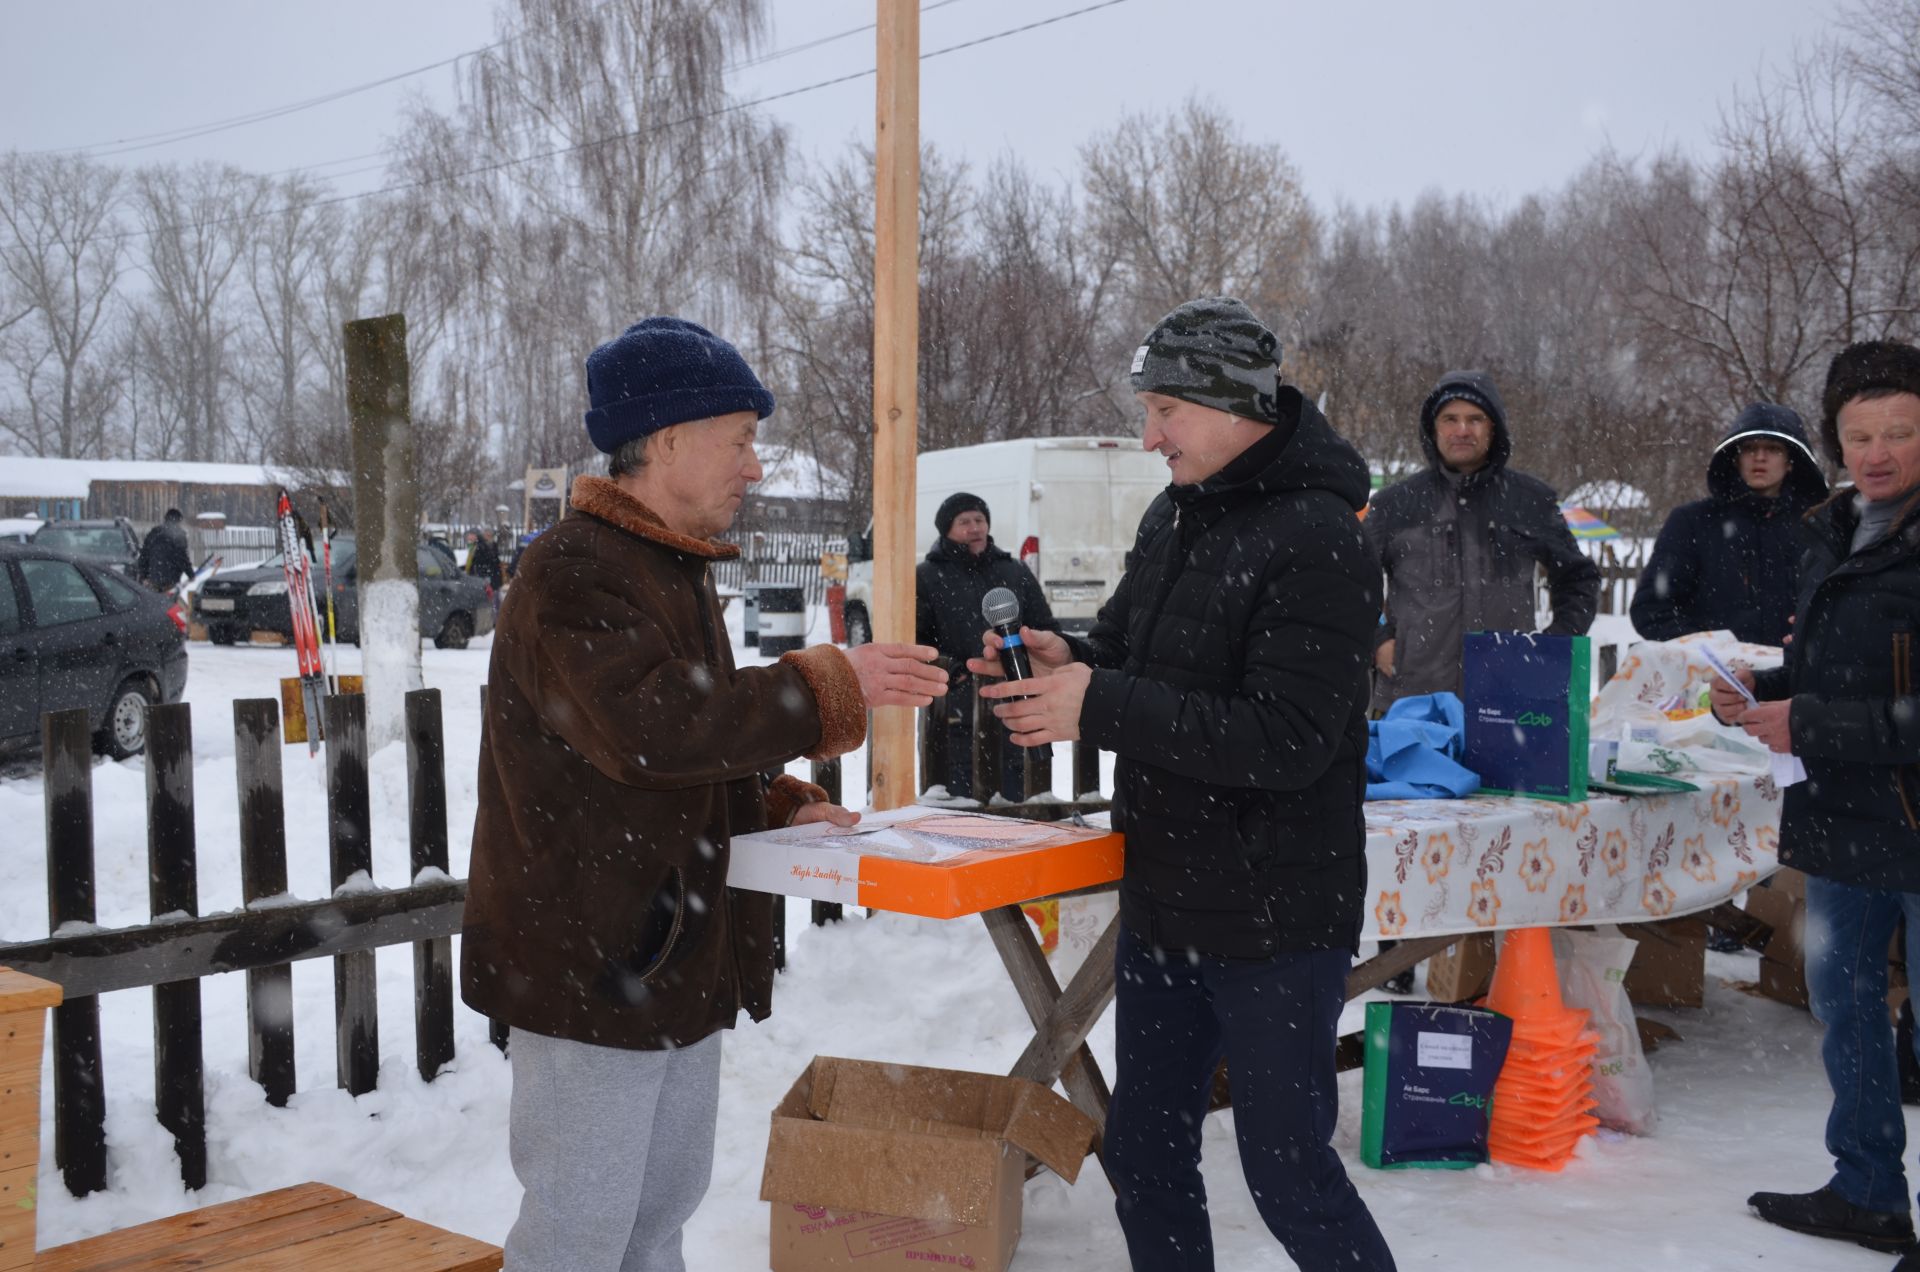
601,498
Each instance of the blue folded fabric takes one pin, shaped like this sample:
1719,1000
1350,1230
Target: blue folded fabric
1414,751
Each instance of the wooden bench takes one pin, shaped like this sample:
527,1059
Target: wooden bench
308,1226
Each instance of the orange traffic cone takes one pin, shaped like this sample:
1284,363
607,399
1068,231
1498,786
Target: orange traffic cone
1543,1100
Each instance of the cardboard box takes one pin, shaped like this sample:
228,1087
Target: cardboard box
1463,971
1781,903
875,1166
1669,966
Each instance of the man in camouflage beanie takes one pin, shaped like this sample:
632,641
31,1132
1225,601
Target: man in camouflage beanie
1227,674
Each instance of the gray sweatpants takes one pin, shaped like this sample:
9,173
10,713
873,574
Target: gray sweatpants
614,1149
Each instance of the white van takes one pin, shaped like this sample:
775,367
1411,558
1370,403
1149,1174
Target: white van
1068,507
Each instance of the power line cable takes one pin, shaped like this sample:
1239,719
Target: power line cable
749,63
190,132
555,152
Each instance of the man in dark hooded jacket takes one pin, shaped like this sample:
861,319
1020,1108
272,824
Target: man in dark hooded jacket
164,556
962,566
1731,561
1459,543
1228,672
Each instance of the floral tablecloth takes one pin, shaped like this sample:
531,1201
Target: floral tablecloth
1440,867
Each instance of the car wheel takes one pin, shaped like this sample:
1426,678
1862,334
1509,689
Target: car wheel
221,634
456,632
125,732
859,629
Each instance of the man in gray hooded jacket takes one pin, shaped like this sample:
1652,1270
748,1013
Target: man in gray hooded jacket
1459,542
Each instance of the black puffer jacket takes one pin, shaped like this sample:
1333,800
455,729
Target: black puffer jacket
950,584
1459,552
1856,712
1732,561
164,556
1232,683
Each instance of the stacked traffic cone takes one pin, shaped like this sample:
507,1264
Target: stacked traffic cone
1543,1100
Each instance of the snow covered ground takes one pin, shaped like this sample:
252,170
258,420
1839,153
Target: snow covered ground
1742,1097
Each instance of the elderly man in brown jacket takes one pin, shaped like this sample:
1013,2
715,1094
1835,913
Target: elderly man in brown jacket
622,748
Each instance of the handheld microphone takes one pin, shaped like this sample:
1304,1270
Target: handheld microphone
1001,608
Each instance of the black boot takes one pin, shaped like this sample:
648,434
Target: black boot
1909,1262
1825,1213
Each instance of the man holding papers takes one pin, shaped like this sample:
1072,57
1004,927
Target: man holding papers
1845,704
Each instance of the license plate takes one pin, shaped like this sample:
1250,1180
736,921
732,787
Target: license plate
1074,593
216,605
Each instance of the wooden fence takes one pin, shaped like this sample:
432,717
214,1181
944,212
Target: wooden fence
171,953
179,946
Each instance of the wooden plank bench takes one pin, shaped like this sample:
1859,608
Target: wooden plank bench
309,1226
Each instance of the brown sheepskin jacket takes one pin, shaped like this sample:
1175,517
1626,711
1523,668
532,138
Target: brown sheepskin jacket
621,750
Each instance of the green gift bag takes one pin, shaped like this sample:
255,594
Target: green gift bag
1526,700
1430,1071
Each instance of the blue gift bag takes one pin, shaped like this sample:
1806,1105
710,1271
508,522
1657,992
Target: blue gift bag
1526,702
1430,1071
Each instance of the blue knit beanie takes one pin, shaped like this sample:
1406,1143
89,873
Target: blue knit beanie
664,371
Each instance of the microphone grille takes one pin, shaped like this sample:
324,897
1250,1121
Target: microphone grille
1000,606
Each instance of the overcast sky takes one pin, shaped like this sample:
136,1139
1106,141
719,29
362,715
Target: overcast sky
1374,102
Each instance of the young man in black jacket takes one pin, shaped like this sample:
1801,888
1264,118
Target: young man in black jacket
1228,672
1732,560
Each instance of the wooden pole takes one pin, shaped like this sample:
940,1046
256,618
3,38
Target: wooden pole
896,345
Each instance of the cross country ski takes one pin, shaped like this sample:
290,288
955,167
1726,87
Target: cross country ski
300,610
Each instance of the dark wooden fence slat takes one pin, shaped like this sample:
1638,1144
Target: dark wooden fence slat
173,889
987,735
263,873
826,775
79,1087
350,848
427,835
1086,769
935,746
496,1031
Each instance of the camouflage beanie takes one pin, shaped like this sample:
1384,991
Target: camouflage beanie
1213,352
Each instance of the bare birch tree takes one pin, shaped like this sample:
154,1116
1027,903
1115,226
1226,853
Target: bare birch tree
61,261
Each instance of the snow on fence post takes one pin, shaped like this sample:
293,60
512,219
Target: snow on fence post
427,837
173,892
386,502
826,775
350,848
263,873
79,1087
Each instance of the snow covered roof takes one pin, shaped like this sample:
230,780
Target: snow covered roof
33,477
1609,496
788,473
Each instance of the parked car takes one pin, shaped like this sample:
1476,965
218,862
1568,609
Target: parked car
106,541
18,529
234,604
75,635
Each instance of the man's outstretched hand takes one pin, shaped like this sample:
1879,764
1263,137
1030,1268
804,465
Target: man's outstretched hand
898,675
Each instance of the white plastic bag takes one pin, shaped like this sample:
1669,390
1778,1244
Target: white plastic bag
1593,973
